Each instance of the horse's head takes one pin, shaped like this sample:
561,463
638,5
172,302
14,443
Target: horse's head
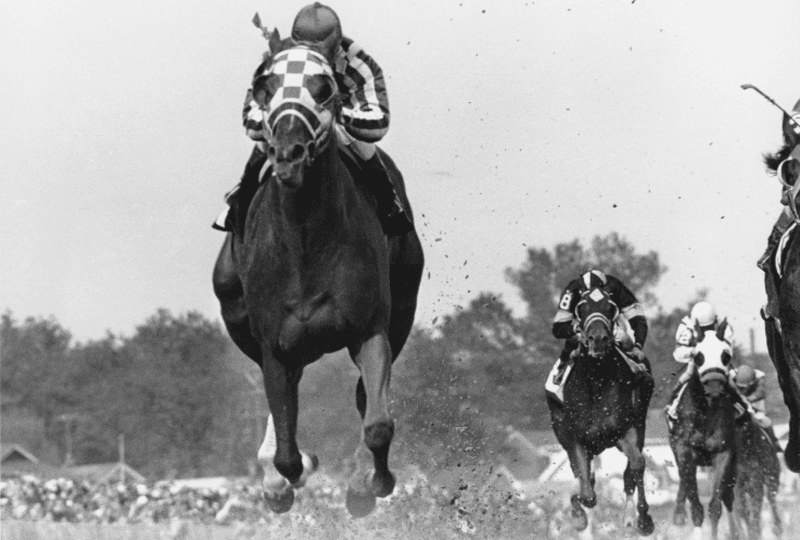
596,313
713,357
299,97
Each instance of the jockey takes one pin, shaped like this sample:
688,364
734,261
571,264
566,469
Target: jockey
363,119
750,383
702,317
631,318
786,164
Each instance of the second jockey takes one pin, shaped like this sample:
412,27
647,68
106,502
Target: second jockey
702,317
750,383
363,119
631,319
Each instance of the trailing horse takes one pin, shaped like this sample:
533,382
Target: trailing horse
314,273
605,405
757,474
703,433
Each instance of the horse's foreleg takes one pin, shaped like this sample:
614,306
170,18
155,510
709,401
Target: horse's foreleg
634,480
279,454
583,465
722,488
687,470
373,359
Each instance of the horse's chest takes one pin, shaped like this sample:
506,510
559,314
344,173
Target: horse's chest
326,300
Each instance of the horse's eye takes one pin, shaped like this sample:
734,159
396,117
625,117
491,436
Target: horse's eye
320,88
726,358
265,88
699,359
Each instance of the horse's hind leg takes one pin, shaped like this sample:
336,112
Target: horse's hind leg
228,290
373,359
404,279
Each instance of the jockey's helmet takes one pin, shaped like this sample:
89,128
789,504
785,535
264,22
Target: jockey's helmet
704,314
594,278
745,376
318,25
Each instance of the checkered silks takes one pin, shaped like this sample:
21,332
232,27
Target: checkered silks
294,68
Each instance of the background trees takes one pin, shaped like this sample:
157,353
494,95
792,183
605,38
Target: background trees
189,404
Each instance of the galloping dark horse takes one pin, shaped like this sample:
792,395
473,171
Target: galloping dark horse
317,275
703,434
757,473
603,406
783,343
783,338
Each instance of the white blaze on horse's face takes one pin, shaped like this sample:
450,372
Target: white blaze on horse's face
713,358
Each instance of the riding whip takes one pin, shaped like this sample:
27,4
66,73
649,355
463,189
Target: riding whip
792,121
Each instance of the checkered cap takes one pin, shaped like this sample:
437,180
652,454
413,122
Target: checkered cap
294,67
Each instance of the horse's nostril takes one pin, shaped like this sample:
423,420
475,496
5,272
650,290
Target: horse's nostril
297,152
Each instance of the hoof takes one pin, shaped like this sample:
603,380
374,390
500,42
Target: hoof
360,504
645,525
383,489
310,466
580,522
679,519
280,503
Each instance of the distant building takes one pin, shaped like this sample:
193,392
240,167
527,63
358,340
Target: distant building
16,460
101,473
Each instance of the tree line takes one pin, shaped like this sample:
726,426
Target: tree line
189,404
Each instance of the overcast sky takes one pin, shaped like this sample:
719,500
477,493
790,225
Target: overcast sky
515,123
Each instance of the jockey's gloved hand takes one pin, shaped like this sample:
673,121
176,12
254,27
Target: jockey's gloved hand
637,353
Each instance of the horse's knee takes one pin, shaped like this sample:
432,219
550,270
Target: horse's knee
379,435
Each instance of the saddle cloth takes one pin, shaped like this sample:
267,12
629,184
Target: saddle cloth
556,391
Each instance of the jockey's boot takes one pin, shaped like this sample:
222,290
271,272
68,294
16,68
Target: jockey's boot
671,408
564,360
240,196
394,218
740,403
561,368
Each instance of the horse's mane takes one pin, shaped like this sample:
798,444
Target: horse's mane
773,160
